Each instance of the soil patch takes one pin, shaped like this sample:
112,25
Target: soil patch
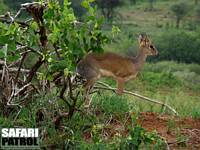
180,133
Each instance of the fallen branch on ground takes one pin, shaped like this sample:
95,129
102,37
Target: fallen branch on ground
107,87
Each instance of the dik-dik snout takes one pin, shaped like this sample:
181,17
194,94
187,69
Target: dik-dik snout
153,50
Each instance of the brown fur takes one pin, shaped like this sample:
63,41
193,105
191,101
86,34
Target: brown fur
120,68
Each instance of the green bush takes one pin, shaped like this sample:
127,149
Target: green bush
180,10
160,79
111,104
171,66
179,46
139,138
186,74
15,5
3,7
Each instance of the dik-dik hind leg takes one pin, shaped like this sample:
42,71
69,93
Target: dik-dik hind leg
87,88
120,86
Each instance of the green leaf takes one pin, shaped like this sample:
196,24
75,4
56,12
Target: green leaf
4,39
67,3
2,54
13,58
12,29
12,46
85,4
66,72
115,29
50,60
34,26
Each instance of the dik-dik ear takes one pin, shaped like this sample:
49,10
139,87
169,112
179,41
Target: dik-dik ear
142,38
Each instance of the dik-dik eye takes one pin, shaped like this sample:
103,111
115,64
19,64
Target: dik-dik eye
151,46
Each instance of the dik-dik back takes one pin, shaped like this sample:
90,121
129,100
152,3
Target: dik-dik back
120,68
107,64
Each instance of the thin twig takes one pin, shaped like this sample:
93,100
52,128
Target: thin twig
29,20
30,48
4,63
70,88
20,66
10,20
178,142
21,89
12,93
32,3
166,144
74,98
13,70
20,109
19,11
62,92
107,87
34,69
36,89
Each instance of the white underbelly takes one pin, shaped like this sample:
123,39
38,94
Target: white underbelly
106,73
130,77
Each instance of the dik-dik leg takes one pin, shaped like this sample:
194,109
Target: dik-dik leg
120,86
87,88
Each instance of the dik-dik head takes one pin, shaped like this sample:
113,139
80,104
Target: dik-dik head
146,44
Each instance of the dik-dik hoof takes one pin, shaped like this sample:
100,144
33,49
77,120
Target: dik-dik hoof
119,92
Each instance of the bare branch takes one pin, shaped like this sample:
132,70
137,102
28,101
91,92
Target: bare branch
20,65
1,62
13,70
70,88
21,89
107,87
30,48
62,92
25,5
4,20
19,11
34,69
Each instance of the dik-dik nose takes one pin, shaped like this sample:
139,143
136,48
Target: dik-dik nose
154,51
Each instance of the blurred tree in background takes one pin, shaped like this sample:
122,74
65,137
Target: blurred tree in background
78,10
180,10
3,7
179,46
151,3
107,7
133,2
15,4
198,14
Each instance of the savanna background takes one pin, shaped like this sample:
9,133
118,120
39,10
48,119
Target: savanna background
38,58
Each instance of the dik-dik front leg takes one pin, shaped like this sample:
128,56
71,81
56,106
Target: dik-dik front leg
120,86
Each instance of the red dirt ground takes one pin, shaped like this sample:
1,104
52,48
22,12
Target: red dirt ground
185,127
180,133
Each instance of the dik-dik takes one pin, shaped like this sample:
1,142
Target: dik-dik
120,68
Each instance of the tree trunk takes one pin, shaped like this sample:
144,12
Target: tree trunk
178,22
133,2
151,4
